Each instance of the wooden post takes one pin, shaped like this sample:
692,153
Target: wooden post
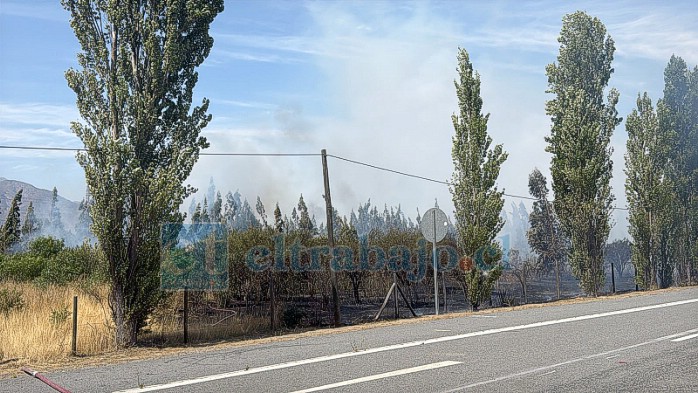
613,279
557,277
186,312
397,307
74,342
443,287
397,286
385,301
330,237
272,299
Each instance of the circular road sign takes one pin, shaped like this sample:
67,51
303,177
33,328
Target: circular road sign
434,225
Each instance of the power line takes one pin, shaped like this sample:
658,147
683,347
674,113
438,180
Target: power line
388,170
41,148
45,148
263,154
430,179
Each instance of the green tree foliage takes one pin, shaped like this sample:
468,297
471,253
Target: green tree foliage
678,116
545,235
259,207
55,221
582,125
305,224
11,231
141,134
82,229
278,221
650,194
46,260
477,201
31,224
204,212
216,214
480,282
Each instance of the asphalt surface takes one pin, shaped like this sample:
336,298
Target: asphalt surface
645,343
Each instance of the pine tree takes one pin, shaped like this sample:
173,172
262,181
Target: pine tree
11,231
477,201
294,222
141,134
31,224
582,125
278,221
205,218
217,209
305,224
196,216
261,212
55,221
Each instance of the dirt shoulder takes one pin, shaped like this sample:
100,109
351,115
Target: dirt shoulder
11,368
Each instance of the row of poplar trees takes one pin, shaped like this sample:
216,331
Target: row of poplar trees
662,180
661,167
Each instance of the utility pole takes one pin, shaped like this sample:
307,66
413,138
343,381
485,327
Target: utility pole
330,237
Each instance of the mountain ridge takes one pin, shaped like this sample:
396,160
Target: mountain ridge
41,200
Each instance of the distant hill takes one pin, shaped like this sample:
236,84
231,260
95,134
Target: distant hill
41,200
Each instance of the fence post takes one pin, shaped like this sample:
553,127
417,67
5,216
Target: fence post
613,278
74,342
186,311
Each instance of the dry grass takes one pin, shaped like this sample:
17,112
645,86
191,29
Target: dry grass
40,331
205,324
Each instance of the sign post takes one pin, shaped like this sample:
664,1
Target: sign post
434,224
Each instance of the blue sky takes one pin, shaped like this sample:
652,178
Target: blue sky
370,81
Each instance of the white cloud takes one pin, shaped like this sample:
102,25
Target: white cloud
37,114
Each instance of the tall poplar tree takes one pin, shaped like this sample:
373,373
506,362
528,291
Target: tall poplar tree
545,234
650,192
141,134
477,201
678,115
582,125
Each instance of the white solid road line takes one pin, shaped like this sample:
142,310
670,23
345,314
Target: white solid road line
685,338
393,347
380,376
612,352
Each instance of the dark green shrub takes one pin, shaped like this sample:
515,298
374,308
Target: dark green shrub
71,264
292,317
45,247
21,267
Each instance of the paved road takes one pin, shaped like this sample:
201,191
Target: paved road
642,343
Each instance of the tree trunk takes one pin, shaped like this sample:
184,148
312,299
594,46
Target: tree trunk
557,277
126,328
355,283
